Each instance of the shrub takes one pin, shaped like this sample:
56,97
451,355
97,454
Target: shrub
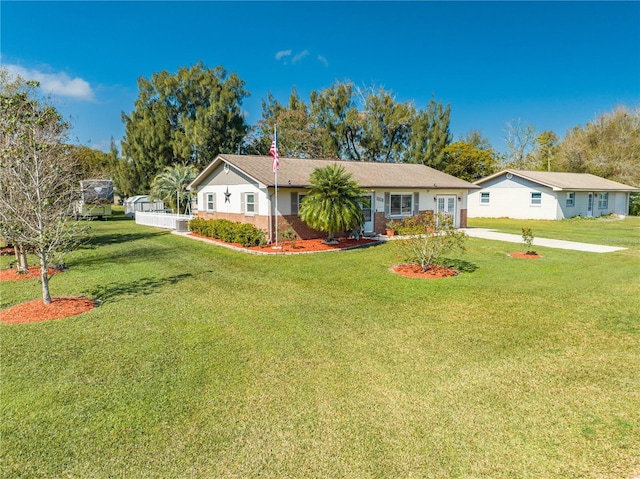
248,235
228,231
427,237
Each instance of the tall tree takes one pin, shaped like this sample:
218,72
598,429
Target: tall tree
297,136
334,111
475,139
38,178
187,117
468,162
545,150
430,135
386,124
91,163
333,203
608,147
521,139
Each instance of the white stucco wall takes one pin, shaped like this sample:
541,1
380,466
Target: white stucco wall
513,200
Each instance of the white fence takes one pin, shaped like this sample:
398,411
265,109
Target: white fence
162,220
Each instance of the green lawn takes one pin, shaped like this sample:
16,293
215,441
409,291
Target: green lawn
202,362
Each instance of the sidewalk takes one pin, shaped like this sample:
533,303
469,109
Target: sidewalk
548,243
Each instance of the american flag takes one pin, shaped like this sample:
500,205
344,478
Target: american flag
273,151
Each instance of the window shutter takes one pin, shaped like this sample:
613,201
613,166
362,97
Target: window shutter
215,206
294,203
416,205
387,203
255,203
242,210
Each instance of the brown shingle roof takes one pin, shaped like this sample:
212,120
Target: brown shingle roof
566,181
295,172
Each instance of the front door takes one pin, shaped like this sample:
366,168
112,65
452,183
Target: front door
367,212
446,205
590,205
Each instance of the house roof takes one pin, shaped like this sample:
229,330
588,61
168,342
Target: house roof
560,181
295,172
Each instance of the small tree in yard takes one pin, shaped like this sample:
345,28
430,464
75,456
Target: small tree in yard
527,239
427,237
38,180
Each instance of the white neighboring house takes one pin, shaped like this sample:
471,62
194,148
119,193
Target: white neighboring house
242,188
546,195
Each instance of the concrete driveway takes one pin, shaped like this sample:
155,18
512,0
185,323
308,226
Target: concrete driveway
485,233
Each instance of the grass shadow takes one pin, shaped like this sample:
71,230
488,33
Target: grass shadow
110,239
458,264
143,286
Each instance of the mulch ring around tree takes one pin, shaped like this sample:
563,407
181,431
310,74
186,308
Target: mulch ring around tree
12,274
432,272
35,311
525,255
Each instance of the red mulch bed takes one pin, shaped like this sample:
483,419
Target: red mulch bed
432,272
301,246
36,311
12,274
524,255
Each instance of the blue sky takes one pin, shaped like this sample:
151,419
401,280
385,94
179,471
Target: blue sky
554,65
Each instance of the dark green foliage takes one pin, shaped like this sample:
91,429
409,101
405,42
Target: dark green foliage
430,135
634,204
228,231
187,117
333,202
248,235
468,162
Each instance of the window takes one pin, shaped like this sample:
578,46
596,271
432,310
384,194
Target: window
603,201
296,201
211,201
571,199
249,203
484,198
401,205
536,199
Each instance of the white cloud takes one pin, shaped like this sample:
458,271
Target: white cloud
299,56
283,53
59,84
323,60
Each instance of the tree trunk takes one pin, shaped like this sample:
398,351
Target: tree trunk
44,278
21,259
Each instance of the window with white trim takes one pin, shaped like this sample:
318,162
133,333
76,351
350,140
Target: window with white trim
536,199
571,199
485,197
211,201
401,204
250,204
603,201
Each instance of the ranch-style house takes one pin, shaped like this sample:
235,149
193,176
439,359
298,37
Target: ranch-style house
544,195
242,188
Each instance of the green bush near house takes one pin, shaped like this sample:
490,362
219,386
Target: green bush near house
228,231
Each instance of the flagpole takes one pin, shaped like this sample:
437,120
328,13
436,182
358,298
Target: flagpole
276,207
276,164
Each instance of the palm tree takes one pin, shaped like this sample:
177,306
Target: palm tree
333,203
171,184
